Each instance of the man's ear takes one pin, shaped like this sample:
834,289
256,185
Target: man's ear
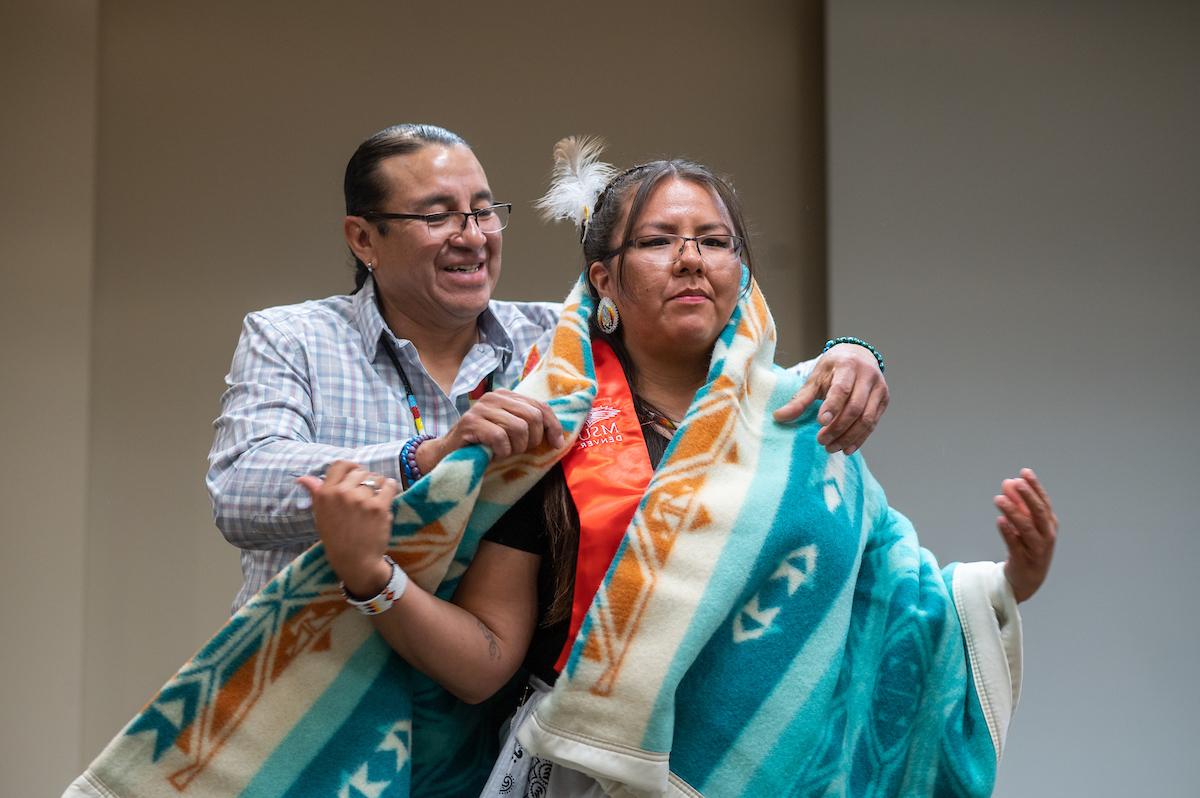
358,238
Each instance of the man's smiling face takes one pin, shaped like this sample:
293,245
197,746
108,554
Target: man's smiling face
433,278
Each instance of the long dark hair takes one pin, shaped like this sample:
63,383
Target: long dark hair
561,517
362,186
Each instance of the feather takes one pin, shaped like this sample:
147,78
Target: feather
578,178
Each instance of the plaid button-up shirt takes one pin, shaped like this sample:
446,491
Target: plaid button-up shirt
310,384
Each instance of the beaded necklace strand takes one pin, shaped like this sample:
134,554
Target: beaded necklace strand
408,389
483,387
664,425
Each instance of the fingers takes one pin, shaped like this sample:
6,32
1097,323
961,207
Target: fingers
372,488
337,471
855,397
518,426
505,430
309,483
1029,476
352,508
1030,521
1029,528
853,439
347,480
796,406
850,399
1009,488
351,481
1037,508
337,474
1015,514
553,427
1032,478
1012,538
509,423
389,491
841,385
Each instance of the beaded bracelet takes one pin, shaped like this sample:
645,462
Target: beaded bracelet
408,458
390,594
858,342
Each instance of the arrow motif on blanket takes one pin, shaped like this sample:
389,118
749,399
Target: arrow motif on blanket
835,481
797,576
392,752
754,620
206,702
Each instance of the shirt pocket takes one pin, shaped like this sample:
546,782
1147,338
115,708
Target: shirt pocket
356,432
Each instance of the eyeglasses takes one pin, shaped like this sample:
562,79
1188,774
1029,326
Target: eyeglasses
664,249
444,224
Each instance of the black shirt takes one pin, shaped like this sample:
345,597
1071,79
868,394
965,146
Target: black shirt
523,527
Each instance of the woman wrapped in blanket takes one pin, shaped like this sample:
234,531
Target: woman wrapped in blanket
704,600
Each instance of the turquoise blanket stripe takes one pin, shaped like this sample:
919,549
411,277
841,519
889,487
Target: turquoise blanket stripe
868,662
368,748
729,575
751,670
867,665
309,740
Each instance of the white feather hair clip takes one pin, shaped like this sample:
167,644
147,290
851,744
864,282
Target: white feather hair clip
578,178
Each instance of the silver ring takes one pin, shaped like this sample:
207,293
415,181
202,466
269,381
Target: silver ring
370,483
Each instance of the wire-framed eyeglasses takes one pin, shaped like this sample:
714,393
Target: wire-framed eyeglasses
444,224
664,249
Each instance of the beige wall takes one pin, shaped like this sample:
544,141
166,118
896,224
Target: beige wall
1015,218
221,133
47,88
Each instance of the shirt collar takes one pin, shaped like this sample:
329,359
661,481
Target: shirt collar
491,331
369,322
367,318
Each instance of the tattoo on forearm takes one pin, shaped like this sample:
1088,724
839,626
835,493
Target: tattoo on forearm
493,646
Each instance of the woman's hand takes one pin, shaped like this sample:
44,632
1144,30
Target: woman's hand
472,650
510,423
1029,528
848,378
354,521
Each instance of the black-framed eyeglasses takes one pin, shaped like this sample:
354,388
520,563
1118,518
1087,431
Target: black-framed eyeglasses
492,219
664,249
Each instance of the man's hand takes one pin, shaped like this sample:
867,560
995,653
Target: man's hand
510,423
848,378
1029,528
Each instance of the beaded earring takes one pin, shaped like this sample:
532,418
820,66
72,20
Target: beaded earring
607,316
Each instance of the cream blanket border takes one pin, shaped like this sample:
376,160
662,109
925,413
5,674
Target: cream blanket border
991,624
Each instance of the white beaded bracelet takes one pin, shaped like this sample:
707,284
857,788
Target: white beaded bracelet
390,594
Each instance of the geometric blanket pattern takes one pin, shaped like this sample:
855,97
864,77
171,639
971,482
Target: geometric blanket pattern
770,626
298,696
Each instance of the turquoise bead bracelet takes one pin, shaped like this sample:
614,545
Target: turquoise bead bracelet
830,344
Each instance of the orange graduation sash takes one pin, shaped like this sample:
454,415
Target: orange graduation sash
607,472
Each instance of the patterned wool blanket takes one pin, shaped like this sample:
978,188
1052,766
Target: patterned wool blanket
767,623
769,626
